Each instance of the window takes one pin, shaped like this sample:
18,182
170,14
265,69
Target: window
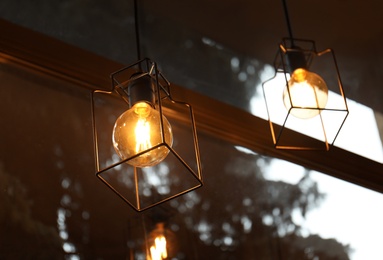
50,191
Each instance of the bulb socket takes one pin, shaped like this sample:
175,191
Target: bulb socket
141,89
295,59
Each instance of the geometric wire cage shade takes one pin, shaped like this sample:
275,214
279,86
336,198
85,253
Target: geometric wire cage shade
320,131
178,173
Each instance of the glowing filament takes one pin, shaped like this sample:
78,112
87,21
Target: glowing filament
142,133
158,251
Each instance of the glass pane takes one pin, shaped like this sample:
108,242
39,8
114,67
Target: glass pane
341,213
250,207
105,28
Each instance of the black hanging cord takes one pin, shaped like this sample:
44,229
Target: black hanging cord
288,22
137,30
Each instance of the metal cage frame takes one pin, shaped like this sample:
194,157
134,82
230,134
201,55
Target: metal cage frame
147,67
281,66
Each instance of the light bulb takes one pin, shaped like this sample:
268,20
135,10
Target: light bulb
158,242
138,129
307,90
158,251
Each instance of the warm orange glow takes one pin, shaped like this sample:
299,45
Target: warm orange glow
137,130
158,251
308,94
142,134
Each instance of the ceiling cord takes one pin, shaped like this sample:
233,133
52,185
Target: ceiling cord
288,22
137,30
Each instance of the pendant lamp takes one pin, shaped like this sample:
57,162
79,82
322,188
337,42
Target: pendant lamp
145,142
161,242
305,95
158,234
